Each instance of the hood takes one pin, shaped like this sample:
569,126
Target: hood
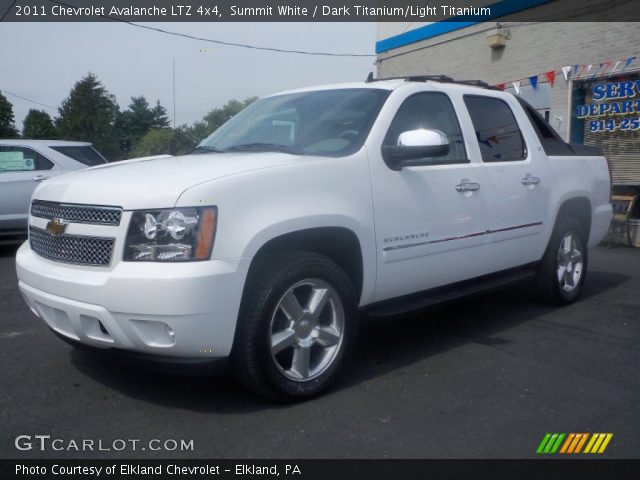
153,182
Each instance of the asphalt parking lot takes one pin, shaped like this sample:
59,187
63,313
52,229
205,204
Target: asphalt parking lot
485,378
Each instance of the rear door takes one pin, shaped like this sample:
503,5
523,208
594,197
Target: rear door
516,169
21,169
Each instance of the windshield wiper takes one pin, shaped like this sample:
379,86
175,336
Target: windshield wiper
262,147
205,149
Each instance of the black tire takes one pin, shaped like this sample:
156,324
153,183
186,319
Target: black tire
549,286
271,279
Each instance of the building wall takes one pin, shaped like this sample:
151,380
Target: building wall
531,48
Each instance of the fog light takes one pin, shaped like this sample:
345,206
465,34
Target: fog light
154,333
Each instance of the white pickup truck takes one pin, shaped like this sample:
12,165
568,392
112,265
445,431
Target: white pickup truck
307,210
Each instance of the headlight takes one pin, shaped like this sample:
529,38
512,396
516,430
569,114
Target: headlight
173,235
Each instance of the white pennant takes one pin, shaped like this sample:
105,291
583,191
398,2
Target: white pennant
516,86
588,69
565,72
614,67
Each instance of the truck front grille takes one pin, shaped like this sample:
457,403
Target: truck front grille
76,249
73,213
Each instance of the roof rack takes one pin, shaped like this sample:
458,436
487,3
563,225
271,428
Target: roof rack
432,78
413,78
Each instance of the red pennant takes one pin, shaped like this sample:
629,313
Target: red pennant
500,86
551,76
607,64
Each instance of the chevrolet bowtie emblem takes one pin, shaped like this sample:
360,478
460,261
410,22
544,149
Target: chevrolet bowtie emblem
56,227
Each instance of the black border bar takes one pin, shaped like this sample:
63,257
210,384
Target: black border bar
556,468
214,11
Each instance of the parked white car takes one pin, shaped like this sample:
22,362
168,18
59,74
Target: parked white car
26,163
306,208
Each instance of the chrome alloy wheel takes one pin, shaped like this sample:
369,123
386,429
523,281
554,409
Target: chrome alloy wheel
570,262
306,330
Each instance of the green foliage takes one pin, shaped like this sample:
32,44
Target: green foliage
89,114
187,137
139,119
156,141
7,122
160,119
135,122
218,116
38,124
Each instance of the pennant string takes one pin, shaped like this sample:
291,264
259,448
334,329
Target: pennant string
575,71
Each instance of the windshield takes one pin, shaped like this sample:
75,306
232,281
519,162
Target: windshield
325,122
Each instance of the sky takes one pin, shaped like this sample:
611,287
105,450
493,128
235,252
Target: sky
42,61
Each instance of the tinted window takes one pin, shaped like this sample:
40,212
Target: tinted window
20,159
86,155
496,129
432,111
542,128
551,142
323,122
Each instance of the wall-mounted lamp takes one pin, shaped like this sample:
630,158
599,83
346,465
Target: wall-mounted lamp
496,37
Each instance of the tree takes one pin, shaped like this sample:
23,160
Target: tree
160,119
134,123
38,124
137,120
156,141
184,138
218,116
89,114
7,122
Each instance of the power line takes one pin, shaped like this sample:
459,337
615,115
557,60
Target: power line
28,99
222,42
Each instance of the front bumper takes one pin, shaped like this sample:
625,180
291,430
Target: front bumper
186,310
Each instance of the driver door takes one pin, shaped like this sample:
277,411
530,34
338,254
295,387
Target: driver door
430,220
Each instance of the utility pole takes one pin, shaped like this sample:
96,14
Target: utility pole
173,146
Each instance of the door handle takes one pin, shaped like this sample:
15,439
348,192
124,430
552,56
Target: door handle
530,180
467,186
39,178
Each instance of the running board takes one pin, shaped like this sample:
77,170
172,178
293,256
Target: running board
448,293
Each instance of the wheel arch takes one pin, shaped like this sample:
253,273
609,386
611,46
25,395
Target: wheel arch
578,207
340,244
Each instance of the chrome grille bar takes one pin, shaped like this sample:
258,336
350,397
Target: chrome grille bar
75,249
74,213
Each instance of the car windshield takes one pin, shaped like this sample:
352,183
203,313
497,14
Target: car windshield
324,122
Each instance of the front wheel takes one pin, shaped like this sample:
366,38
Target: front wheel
564,266
296,327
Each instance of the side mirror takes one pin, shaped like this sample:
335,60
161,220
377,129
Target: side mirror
416,147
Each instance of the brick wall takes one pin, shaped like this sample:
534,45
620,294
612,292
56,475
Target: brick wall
532,48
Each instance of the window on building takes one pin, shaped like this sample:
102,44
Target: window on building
497,131
432,111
